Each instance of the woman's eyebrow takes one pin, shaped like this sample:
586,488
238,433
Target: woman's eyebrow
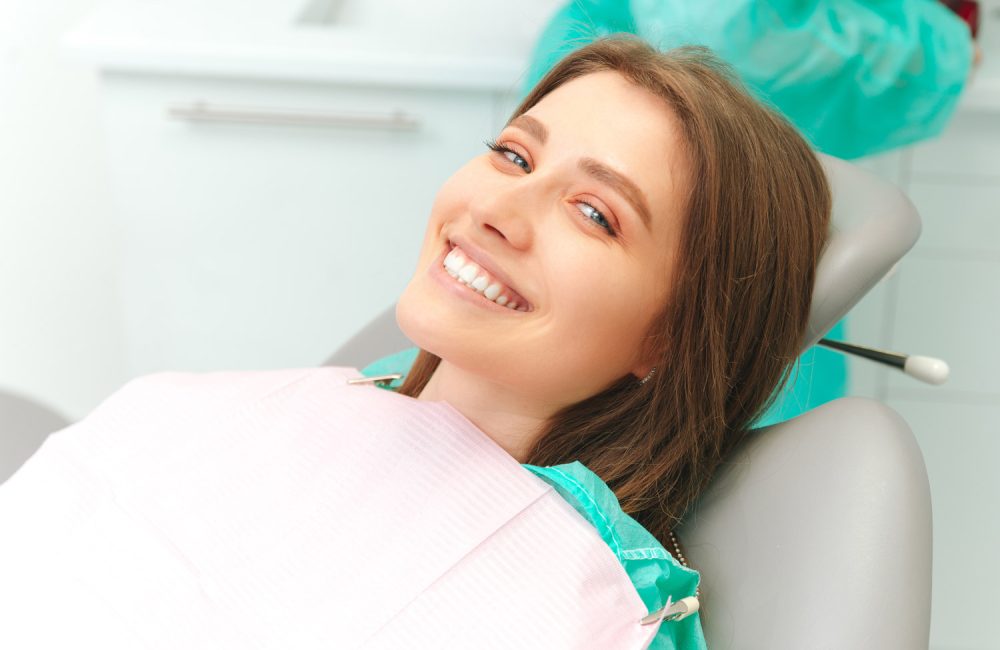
620,183
534,128
593,168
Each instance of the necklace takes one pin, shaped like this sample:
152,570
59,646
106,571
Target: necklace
680,558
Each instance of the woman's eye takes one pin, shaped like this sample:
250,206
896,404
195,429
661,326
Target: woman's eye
509,154
595,215
591,212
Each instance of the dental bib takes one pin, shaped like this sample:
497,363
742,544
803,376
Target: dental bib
288,509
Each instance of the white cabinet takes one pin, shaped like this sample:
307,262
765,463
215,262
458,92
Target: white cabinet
273,166
249,245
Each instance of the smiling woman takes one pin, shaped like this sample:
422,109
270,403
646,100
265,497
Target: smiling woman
556,211
655,217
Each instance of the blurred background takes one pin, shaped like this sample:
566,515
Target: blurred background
219,185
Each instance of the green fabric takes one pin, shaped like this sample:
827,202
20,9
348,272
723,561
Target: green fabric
857,77
654,573
817,377
398,362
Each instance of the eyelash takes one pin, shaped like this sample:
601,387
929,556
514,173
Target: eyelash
504,149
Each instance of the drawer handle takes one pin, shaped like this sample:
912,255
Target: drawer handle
201,111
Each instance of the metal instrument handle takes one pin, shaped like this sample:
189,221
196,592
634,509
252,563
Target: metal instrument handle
377,379
202,111
673,611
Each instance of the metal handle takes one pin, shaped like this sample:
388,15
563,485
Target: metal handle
201,111
672,611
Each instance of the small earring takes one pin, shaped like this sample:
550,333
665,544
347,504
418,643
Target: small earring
646,378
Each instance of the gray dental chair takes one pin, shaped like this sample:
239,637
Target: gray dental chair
816,533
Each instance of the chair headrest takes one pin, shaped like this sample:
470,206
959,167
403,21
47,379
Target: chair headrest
873,225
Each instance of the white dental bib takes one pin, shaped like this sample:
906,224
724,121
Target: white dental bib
289,510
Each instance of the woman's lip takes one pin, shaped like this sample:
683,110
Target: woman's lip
463,291
481,259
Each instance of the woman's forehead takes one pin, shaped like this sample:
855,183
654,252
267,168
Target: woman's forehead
613,124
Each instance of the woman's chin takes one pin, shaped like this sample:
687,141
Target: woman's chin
429,313
425,322
445,330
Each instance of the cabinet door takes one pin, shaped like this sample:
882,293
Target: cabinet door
267,244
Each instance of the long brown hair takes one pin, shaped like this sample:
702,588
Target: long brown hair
757,217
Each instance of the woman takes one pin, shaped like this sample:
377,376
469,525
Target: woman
828,66
622,280
659,304
655,319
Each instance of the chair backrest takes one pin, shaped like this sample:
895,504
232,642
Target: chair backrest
872,226
24,425
816,533
381,336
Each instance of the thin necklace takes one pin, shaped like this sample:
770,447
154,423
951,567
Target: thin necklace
680,558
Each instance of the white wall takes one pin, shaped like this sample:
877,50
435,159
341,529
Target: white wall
59,336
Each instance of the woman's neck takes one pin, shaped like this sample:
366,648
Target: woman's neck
509,419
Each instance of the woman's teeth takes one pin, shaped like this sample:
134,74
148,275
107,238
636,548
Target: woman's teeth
469,274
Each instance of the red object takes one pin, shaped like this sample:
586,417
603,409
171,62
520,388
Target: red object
967,10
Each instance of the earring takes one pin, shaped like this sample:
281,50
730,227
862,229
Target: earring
646,378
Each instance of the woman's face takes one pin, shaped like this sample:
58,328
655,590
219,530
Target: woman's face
578,224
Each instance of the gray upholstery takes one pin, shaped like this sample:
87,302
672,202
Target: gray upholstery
380,337
874,224
24,425
817,534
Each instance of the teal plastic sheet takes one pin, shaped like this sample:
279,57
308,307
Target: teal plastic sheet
856,77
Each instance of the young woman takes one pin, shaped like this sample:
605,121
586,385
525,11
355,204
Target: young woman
647,235
610,293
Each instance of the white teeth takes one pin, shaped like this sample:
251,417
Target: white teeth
468,273
454,260
480,283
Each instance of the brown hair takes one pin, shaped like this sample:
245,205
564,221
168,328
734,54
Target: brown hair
757,219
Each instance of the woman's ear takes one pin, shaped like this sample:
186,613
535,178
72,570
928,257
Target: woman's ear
645,364
642,371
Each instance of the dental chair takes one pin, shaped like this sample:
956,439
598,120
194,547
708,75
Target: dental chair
816,532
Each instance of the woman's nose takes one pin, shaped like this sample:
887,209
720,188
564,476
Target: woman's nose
510,210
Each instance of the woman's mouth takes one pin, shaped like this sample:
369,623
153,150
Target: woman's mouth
465,271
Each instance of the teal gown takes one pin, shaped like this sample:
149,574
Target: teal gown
856,77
